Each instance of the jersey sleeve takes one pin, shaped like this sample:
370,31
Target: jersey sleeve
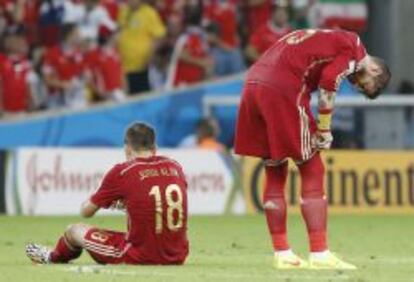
110,189
336,70
351,53
360,51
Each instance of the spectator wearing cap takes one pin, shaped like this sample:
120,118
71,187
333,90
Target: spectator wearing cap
16,73
270,32
190,62
141,30
63,71
104,66
220,16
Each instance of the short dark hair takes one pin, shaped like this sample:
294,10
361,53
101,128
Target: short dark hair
193,14
383,79
207,128
140,136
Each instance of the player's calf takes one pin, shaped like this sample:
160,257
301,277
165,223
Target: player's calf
68,247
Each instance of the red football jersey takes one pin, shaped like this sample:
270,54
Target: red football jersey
267,35
308,59
155,193
106,67
195,43
66,65
259,14
14,72
225,16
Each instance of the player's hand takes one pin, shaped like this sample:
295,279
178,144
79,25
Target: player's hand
324,140
118,205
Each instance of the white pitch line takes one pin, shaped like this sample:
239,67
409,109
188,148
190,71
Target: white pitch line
105,270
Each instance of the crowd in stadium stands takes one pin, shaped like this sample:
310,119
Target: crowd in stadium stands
71,53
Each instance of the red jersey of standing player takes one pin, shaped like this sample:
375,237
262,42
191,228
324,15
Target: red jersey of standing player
275,123
275,120
153,191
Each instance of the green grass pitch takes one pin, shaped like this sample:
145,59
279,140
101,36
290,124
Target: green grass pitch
223,248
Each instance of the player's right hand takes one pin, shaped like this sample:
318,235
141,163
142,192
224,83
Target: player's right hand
324,140
118,205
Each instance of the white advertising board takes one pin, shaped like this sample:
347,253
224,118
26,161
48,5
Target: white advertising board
55,181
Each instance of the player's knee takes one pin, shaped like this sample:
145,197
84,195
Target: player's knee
276,176
73,233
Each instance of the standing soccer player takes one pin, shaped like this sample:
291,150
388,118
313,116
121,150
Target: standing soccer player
275,123
153,190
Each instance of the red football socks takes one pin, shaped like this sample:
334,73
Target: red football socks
274,205
314,206
63,252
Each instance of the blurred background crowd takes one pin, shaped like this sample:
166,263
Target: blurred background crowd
72,53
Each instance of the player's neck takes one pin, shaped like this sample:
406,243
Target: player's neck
141,155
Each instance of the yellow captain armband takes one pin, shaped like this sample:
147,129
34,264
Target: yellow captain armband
324,121
325,106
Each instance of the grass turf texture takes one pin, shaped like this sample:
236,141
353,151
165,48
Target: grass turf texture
225,248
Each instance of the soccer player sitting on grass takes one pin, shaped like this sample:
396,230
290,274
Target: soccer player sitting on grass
153,191
275,123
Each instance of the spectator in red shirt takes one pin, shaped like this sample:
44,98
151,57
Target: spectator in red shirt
104,65
15,73
257,13
221,19
270,32
63,71
190,62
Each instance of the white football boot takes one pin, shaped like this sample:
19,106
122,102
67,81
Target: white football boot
288,260
38,253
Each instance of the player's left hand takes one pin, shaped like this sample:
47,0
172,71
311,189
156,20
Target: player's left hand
324,140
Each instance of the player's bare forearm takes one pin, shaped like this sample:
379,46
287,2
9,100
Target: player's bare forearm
325,108
53,81
88,209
